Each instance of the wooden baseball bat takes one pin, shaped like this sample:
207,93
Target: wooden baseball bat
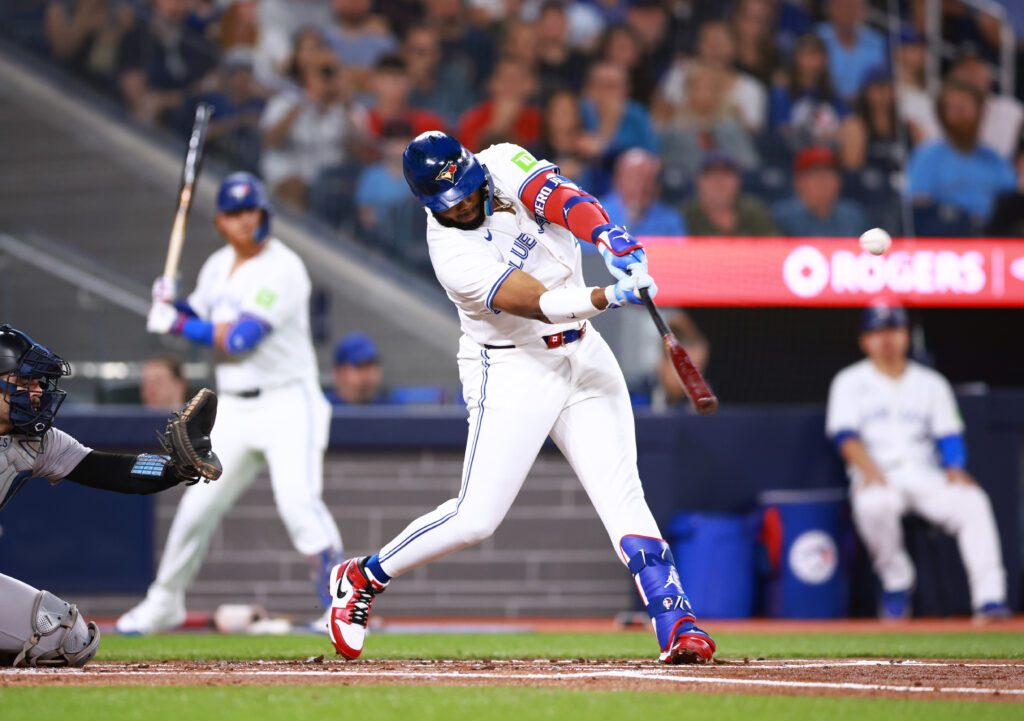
189,176
700,393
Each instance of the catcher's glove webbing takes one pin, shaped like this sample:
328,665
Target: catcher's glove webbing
186,439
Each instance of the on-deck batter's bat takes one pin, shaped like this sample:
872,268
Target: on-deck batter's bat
703,398
189,175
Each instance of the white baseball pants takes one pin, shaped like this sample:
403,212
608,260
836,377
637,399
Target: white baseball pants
516,398
961,510
286,427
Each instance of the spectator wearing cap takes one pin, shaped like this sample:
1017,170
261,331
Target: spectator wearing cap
1001,115
896,425
958,170
817,210
719,209
854,49
633,200
357,374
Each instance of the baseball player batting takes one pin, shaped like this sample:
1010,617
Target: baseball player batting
897,426
502,229
251,305
36,627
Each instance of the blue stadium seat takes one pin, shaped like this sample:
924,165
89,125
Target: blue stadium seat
943,221
770,183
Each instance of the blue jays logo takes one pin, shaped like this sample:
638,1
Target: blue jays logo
241,191
447,173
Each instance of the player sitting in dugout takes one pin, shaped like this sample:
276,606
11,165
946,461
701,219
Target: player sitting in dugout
36,627
897,426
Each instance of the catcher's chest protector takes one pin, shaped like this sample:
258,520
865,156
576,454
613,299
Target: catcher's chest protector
39,629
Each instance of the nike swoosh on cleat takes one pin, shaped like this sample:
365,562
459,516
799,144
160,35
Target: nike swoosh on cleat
340,624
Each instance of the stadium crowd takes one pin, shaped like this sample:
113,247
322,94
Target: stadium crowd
741,117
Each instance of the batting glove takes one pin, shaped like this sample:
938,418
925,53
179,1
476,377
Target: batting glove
627,290
620,250
162,318
165,291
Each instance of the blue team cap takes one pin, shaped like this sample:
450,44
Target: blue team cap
355,349
877,317
718,160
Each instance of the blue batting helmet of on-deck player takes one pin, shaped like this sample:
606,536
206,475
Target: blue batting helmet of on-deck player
441,172
244,191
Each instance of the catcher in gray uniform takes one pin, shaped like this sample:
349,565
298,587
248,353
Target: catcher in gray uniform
36,627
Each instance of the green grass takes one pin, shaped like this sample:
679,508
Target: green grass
570,645
327,703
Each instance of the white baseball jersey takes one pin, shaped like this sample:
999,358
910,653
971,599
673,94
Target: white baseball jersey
274,287
517,397
898,419
22,459
471,265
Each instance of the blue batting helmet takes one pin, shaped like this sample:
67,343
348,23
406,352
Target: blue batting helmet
244,191
877,317
441,172
27,361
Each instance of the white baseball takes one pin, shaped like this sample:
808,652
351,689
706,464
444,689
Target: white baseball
875,241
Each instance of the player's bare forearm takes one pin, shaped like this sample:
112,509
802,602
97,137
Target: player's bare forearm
520,295
856,454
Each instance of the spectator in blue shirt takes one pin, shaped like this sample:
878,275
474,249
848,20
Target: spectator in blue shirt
381,188
817,211
633,200
611,121
957,170
854,49
804,108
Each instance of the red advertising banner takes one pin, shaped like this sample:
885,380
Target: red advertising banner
836,272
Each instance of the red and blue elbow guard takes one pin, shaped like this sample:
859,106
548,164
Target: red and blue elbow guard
952,451
556,199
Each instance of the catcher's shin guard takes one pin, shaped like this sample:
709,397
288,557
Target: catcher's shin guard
353,589
40,629
654,570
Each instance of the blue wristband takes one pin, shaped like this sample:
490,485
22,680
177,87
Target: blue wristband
198,331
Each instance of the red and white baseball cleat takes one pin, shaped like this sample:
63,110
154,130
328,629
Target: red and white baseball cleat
352,593
688,644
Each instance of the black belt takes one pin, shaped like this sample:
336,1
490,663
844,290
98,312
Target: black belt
254,393
555,340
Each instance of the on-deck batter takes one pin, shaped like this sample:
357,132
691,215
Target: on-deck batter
502,231
897,426
251,303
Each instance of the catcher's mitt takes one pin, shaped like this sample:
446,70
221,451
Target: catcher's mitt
186,439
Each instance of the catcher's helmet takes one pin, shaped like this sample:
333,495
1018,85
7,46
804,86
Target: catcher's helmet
26,360
244,191
441,172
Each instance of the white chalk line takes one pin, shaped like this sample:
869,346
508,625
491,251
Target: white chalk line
631,675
